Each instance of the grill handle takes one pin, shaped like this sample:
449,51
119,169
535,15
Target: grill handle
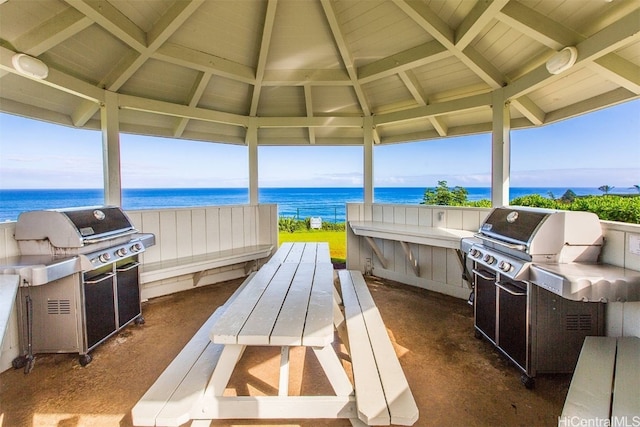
128,267
517,293
107,236
518,247
483,275
100,278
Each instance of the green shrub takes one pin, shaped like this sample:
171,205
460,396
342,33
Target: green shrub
621,208
292,225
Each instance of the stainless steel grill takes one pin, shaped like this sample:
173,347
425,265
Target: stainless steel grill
538,286
79,279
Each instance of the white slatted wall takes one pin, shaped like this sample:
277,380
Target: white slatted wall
440,269
183,232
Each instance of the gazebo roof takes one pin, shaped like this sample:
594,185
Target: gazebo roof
301,72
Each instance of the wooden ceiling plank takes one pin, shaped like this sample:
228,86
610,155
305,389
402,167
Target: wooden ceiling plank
616,96
304,77
197,91
439,125
440,31
411,58
129,102
52,32
183,56
267,31
435,109
168,23
529,109
429,21
537,26
112,20
171,21
413,85
345,54
308,101
617,35
482,68
481,14
618,70
297,122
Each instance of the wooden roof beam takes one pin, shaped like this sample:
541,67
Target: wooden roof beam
267,31
347,59
439,30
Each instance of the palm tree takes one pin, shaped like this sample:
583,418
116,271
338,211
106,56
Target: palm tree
606,188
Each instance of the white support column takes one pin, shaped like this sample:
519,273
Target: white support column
500,150
368,159
252,143
111,149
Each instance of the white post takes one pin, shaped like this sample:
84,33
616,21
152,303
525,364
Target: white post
368,159
500,150
110,125
252,143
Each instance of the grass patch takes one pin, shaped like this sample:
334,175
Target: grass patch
337,240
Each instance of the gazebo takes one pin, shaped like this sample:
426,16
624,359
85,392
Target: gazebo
363,73
287,72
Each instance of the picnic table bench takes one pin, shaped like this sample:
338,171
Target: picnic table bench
290,301
605,385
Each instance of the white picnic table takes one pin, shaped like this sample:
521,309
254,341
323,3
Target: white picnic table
289,302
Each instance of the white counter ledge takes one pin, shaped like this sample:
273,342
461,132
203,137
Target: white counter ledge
430,236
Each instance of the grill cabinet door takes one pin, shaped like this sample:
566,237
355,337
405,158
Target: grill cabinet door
512,320
485,303
128,291
100,310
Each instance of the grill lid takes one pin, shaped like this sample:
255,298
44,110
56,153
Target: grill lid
74,228
515,226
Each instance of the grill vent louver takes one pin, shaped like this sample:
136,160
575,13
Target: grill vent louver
578,322
55,306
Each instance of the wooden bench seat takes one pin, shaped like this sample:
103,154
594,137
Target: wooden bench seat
168,402
605,383
382,392
198,264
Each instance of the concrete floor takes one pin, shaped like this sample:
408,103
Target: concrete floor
456,379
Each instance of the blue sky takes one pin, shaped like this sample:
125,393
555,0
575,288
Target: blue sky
589,151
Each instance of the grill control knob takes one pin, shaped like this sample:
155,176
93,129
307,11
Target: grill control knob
105,257
505,266
121,252
475,253
489,259
136,247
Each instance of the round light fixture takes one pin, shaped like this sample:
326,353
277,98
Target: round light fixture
563,60
30,66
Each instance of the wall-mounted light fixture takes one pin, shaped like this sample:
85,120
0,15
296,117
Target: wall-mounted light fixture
30,66
563,60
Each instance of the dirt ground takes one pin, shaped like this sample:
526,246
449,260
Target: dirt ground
456,379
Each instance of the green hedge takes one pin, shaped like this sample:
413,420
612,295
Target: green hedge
292,225
607,207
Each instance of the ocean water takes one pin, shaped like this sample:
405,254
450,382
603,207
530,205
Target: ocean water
327,203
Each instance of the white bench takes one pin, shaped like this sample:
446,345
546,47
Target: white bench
382,392
168,402
605,386
199,264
